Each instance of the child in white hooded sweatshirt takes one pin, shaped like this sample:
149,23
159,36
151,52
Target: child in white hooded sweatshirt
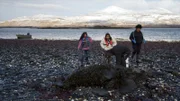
108,42
110,46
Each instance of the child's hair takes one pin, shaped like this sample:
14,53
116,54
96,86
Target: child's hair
109,36
82,35
138,26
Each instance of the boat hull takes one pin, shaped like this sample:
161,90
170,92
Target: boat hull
24,36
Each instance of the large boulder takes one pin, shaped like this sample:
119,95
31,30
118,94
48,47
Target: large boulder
104,76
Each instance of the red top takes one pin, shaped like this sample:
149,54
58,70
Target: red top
108,42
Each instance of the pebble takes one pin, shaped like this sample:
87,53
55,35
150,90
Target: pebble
28,66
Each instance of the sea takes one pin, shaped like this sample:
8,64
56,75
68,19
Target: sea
150,34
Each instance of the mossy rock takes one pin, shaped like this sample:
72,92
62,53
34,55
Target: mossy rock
97,75
100,76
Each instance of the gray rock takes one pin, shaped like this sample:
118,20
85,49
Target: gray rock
130,85
1,82
100,92
93,76
82,92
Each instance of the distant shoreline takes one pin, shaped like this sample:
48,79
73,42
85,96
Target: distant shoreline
118,39
95,27
72,27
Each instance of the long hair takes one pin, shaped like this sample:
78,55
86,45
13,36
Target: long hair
109,36
82,35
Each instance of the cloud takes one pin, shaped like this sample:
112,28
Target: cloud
78,7
172,5
43,6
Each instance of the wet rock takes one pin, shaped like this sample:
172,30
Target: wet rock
23,61
131,85
82,92
172,71
100,92
96,76
1,84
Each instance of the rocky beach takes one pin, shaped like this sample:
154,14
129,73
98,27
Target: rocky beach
35,70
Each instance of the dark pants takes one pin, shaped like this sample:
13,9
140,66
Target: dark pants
108,55
136,50
121,53
84,55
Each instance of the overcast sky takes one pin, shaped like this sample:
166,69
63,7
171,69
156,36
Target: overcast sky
10,9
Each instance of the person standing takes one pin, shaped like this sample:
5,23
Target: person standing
84,46
110,46
137,39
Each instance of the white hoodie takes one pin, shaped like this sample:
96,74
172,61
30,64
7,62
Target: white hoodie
109,47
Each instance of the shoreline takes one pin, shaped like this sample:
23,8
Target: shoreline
118,39
95,27
33,70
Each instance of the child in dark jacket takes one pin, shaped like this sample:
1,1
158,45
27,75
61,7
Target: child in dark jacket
84,46
137,39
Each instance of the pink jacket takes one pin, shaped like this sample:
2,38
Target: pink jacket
84,48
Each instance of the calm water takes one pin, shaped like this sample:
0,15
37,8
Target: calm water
152,34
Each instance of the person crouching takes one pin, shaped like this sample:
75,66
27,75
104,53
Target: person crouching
111,47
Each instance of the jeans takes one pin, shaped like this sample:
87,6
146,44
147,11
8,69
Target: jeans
84,55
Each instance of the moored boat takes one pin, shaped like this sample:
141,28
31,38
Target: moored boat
21,36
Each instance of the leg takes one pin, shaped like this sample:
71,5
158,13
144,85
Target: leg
138,52
123,62
118,60
82,58
86,52
108,55
134,50
108,59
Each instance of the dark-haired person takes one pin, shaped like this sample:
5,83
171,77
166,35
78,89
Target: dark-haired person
137,39
110,46
84,45
107,43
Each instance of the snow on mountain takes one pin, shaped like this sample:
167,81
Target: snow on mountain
37,17
115,10
120,16
111,16
159,11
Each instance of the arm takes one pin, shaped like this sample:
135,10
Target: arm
114,42
79,45
131,36
90,40
102,44
144,41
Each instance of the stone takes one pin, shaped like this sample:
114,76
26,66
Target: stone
101,92
93,76
130,85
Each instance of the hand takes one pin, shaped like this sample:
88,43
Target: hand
144,41
134,41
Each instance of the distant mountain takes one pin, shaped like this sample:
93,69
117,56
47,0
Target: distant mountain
112,16
115,10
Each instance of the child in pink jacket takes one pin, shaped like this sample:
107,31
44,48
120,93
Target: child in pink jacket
84,45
